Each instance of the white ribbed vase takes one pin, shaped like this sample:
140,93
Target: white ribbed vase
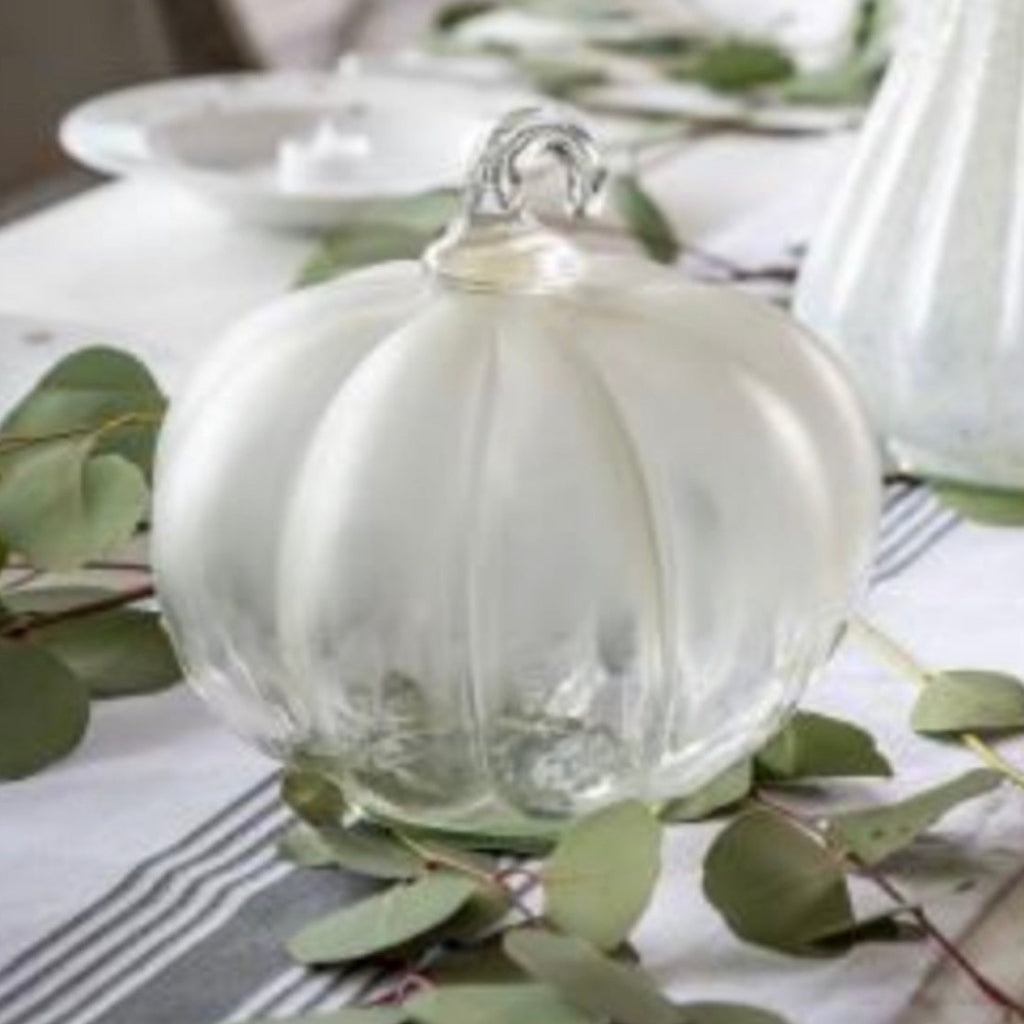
917,276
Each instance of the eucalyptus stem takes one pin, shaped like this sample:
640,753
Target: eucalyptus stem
899,660
850,862
984,984
16,442
22,628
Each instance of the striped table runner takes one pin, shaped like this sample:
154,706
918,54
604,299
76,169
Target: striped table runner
195,934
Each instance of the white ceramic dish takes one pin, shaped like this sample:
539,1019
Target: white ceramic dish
221,135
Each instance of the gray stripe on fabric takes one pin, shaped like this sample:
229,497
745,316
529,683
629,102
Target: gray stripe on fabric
156,939
217,974
72,941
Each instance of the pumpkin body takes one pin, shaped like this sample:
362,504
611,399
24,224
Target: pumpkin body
501,555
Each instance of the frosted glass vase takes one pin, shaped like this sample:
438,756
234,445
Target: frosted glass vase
917,276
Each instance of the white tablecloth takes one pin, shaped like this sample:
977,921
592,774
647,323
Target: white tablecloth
137,880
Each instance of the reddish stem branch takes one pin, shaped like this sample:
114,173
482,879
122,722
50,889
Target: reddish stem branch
20,629
985,985
115,566
994,993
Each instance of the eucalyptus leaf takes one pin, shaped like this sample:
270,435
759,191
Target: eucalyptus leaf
305,847
722,793
44,709
884,927
735,65
726,1013
533,845
986,506
486,908
451,16
348,1015
589,980
116,653
599,879
361,245
561,78
313,796
383,921
657,45
969,701
645,219
775,885
361,848
48,600
817,746
875,833
61,505
855,79
483,964
92,388
848,84
494,1004
424,211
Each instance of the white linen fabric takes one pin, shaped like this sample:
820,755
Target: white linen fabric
138,880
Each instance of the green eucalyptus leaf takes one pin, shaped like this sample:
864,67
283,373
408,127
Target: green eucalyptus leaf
487,908
305,847
494,1004
91,388
116,653
589,980
735,65
486,964
849,84
313,796
969,701
561,78
884,927
775,885
722,793
48,600
347,1015
44,709
986,506
425,211
817,746
726,1013
645,219
399,228
875,833
361,245
451,16
484,842
600,878
384,921
657,45
854,80
61,505
362,848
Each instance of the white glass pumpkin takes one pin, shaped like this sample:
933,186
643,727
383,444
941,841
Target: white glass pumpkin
518,530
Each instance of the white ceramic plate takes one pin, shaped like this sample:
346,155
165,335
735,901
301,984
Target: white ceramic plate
220,135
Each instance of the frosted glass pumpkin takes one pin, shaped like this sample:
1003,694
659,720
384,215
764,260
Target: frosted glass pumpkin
515,531
917,276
